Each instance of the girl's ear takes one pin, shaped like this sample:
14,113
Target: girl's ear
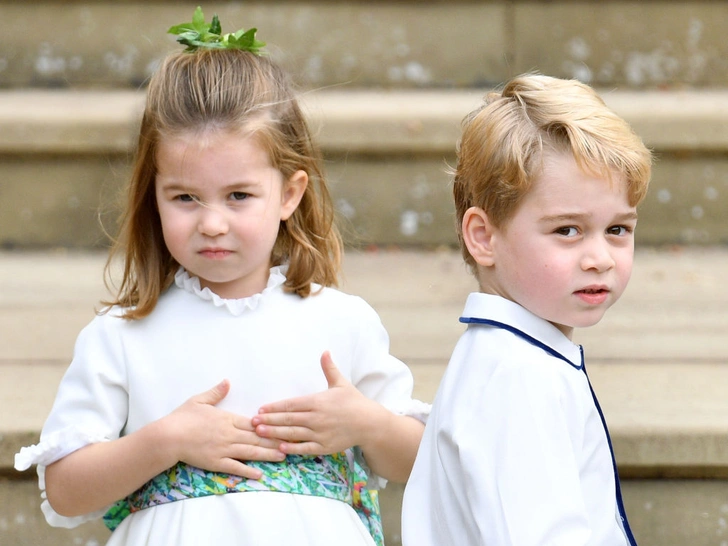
478,235
293,190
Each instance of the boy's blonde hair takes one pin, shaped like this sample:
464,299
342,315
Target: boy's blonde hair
501,149
236,91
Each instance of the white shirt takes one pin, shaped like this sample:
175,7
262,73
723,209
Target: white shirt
514,451
126,374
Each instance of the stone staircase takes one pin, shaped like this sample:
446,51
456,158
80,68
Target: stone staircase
386,85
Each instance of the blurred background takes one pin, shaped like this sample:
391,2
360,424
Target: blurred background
386,85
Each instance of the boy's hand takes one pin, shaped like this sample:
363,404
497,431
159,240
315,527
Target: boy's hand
207,437
317,424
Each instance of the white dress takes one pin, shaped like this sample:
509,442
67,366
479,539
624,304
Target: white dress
126,374
515,451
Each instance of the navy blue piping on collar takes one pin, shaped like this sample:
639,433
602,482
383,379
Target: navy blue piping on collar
524,335
582,367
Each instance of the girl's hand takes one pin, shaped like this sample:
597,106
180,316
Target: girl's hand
207,437
322,423
197,433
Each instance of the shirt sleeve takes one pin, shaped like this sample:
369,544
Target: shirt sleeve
520,472
91,406
378,374
382,377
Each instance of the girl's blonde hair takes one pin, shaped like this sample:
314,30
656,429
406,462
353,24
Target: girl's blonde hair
229,90
503,141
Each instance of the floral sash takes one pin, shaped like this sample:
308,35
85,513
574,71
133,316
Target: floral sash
332,476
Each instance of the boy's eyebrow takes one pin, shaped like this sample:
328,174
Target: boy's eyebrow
570,217
632,215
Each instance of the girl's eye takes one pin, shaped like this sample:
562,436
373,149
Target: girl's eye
619,230
567,231
238,195
185,198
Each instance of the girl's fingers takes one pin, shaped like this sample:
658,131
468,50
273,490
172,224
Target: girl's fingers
334,378
260,442
296,419
303,448
236,468
286,433
256,453
291,405
243,423
214,395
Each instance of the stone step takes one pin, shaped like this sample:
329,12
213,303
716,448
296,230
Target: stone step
66,153
658,362
429,43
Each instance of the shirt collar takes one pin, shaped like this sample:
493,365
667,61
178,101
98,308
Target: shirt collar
487,307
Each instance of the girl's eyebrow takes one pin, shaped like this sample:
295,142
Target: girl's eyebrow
173,185
243,184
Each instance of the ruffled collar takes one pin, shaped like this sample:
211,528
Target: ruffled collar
236,307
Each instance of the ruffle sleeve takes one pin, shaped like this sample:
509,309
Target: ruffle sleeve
90,407
51,449
55,446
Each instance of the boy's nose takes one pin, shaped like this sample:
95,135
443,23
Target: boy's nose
597,255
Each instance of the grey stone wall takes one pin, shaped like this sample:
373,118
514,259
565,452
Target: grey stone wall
630,44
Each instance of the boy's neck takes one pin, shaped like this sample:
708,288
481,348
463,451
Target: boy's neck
486,287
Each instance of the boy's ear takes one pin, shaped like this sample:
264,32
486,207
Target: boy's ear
293,190
478,235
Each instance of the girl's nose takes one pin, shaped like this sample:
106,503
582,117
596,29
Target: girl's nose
597,255
212,222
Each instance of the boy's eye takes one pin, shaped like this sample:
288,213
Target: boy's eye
619,230
238,195
567,231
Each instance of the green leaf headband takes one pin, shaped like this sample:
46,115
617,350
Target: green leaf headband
200,35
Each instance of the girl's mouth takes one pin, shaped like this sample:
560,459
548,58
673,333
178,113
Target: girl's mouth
215,253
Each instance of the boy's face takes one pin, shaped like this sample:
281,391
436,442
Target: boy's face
566,254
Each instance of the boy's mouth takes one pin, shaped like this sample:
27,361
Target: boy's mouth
593,295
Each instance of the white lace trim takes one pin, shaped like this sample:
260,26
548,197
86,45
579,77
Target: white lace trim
237,306
48,451
414,408
56,446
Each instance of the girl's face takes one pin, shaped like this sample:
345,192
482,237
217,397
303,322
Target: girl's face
220,203
566,254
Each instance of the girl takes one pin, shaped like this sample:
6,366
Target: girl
229,255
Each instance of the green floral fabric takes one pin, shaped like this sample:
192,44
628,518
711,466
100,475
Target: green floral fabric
332,476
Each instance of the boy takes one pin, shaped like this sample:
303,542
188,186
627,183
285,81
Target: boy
516,450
